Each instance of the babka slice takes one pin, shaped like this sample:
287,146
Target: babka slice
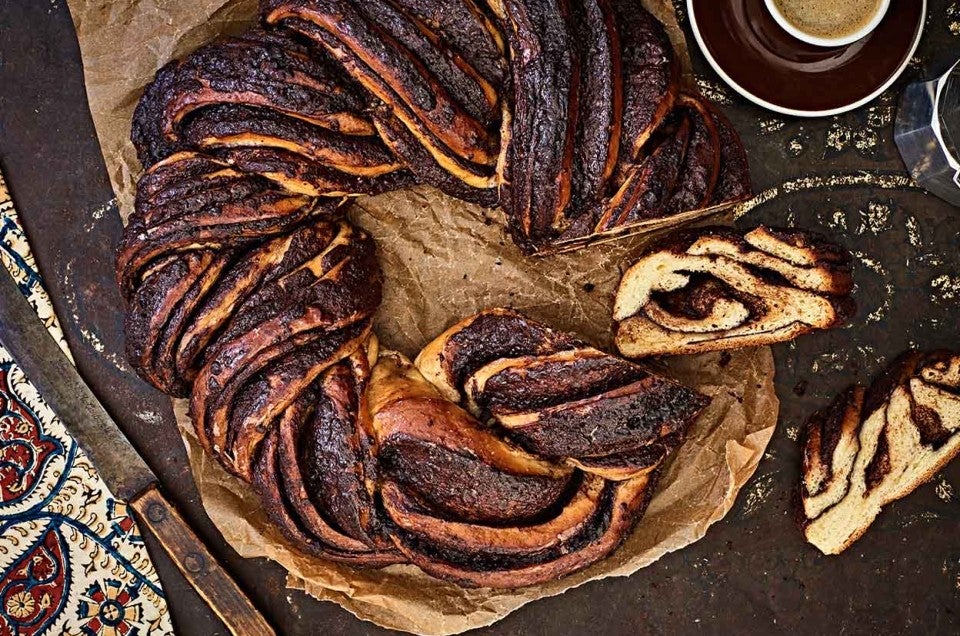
717,288
869,448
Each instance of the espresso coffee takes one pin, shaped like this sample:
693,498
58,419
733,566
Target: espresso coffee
829,19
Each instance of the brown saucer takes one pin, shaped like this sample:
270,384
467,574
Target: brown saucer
768,66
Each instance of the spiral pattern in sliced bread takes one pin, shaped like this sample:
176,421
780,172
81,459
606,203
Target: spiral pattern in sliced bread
872,447
716,288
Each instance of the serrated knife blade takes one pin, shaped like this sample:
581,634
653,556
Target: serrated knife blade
119,464
61,387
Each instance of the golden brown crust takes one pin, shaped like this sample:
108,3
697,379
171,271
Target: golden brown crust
263,90
554,480
432,106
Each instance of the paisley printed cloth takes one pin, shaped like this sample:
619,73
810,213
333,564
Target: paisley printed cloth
71,557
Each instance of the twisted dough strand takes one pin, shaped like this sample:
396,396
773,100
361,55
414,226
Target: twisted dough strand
564,446
566,113
510,453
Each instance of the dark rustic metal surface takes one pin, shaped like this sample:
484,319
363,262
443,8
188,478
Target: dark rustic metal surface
752,572
64,391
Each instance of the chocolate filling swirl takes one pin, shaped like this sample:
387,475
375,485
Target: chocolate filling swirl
716,288
510,453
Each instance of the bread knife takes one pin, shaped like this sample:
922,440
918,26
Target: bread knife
119,464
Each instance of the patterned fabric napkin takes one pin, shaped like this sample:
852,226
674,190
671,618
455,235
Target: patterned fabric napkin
71,557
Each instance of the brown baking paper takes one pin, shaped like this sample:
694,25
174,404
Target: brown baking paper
443,260
697,489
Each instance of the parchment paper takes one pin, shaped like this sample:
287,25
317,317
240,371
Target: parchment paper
697,489
443,260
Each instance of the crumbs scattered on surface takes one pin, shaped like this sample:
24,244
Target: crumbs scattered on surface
793,433
837,220
880,116
830,360
883,181
946,288
150,417
838,136
876,218
791,217
100,211
714,91
92,339
913,232
923,517
892,181
869,355
702,563
931,259
795,146
291,606
770,126
758,493
864,139
870,263
881,312
953,18
944,490
860,356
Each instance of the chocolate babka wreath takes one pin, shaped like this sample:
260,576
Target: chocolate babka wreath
569,115
509,453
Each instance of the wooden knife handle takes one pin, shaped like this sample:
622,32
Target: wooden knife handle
218,590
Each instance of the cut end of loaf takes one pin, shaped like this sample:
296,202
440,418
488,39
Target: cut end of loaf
872,447
716,288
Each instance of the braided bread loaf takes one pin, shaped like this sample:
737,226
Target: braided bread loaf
568,113
509,454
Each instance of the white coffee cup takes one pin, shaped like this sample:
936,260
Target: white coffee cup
828,42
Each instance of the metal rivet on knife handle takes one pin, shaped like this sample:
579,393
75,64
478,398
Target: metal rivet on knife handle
200,568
